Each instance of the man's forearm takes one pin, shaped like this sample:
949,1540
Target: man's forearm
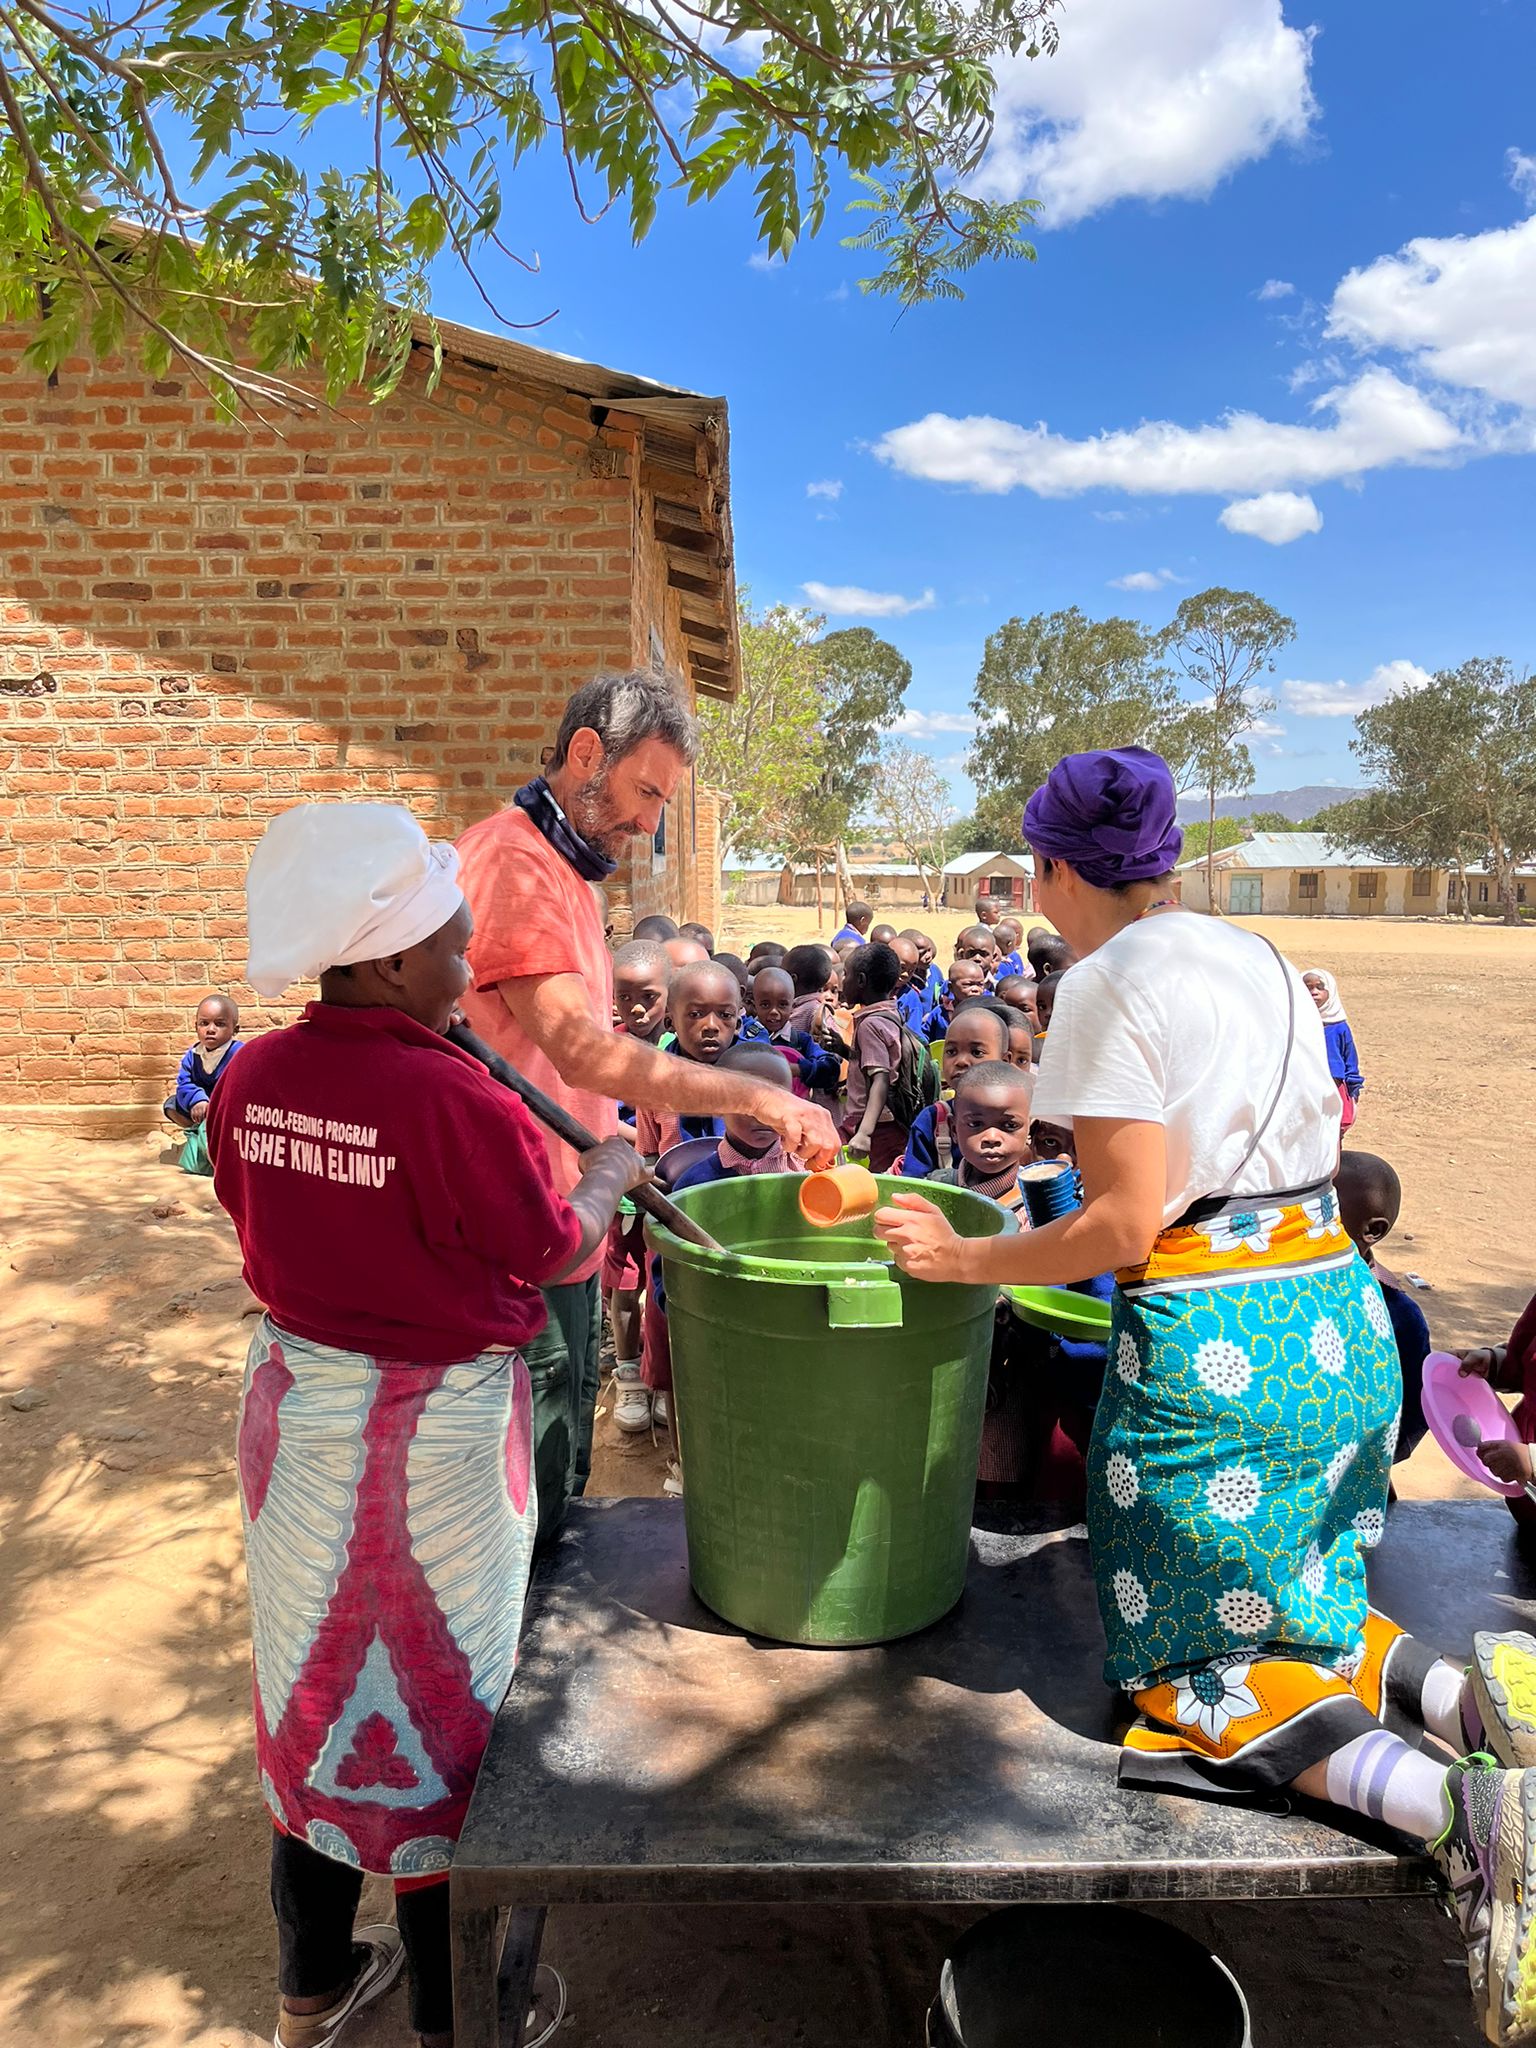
606,1063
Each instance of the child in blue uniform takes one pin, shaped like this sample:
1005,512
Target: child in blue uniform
202,1067
978,1031
1370,1196
814,1069
1343,1060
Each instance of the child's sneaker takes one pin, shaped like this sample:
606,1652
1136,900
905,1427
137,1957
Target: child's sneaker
1501,1692
661,1408
1487,1857
631,1399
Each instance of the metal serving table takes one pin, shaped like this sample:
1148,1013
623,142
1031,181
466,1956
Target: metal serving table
650,1753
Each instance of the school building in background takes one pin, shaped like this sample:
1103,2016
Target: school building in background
205,621
1305,874
1009,877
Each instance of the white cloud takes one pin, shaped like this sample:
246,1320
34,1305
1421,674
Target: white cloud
929,725
1147,102
1345,700
1377,420
1143,579
1461,307
831,487
762,259
1274,288
1521,171
1275,516
848,601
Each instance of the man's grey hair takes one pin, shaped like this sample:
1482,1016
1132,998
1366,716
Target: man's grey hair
626,709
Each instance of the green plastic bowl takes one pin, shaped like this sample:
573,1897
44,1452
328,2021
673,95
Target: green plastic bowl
1060,1311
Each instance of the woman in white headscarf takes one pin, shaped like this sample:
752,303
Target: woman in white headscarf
1343,1060
396,1217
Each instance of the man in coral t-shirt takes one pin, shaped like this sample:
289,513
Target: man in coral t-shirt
543,997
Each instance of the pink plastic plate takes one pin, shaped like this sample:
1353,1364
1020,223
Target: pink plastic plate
1447,1395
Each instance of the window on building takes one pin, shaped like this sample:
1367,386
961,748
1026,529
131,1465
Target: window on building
1307,887
1423,882
1367,885
1482,892
1519,892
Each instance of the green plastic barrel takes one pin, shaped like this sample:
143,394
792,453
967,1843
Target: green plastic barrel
829,1414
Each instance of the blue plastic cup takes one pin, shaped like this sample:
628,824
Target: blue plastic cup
1052,1188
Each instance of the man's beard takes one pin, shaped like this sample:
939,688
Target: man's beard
590,810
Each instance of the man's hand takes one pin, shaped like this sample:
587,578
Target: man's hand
199,1111
921,1235
809,1134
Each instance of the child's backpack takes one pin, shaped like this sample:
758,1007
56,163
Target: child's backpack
915,1083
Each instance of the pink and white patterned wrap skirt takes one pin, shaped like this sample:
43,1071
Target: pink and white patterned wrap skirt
389,1520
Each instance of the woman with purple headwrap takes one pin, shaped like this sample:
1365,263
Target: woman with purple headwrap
1241,1449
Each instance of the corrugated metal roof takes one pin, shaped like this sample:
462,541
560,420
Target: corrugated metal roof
975,863
1289,850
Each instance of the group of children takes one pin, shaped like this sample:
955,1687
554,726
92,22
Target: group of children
930,1075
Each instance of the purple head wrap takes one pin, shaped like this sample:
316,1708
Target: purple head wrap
1111,815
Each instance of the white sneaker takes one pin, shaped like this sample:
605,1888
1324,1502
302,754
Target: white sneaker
380,1957
661,1409
631,1400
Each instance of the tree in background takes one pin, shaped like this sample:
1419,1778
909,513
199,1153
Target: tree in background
911,801
763,748
247,265
1277,821
1200,838
863,684
1222,640
1453,773
1056,684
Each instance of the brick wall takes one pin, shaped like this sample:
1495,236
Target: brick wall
202,622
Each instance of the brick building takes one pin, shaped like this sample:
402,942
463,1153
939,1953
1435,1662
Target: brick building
204,621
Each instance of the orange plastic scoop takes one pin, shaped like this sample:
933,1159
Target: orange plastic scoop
840,1195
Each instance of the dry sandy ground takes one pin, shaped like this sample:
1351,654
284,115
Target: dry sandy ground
133,1910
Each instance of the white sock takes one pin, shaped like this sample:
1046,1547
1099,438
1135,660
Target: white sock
626,1365
1440,1703
1380,1776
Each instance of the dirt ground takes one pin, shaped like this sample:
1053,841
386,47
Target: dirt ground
133,1906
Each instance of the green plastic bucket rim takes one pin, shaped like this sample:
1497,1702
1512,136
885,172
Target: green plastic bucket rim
793,1272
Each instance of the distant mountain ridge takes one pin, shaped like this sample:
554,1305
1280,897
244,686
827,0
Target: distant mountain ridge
1294,804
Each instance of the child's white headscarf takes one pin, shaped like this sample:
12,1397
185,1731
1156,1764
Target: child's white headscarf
1331,1010
332,884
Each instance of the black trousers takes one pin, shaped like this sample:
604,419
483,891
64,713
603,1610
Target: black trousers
315,1901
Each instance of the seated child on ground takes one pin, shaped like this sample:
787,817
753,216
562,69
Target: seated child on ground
745,1146
203,1065
813,1069
965,983
642,975
873,1131
978,1031
1370,1197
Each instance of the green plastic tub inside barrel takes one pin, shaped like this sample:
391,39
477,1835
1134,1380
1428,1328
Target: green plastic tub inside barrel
829,1414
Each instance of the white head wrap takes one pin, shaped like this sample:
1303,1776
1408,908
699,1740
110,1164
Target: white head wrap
1331,1010
331,884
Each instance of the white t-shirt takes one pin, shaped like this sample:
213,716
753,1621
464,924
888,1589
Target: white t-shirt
1181,1020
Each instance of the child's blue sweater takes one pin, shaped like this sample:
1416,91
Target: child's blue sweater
1343,1060
193,1085
819,1070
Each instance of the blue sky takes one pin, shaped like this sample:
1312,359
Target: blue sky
1287,279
